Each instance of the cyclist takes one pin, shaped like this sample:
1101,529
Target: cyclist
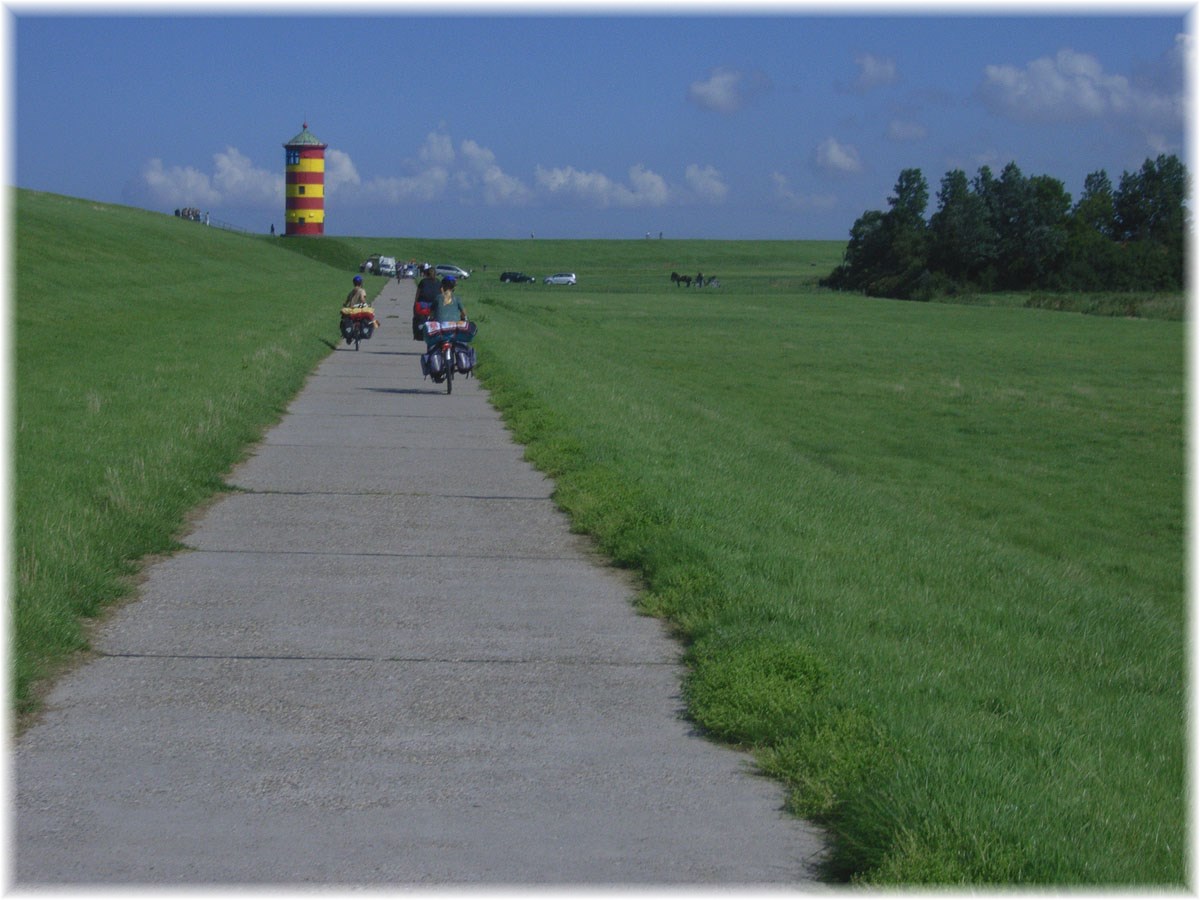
357,295
426,297
448,307
356,298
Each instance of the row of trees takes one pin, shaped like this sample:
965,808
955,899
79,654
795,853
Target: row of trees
1019,233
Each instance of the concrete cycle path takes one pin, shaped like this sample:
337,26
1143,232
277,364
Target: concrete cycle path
387,660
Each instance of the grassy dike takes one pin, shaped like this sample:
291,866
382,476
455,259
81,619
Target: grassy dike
926,560
149,353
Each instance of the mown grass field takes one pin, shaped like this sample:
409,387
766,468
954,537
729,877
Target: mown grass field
926,560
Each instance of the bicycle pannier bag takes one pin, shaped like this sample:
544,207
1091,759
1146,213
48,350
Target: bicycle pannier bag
464,358
434,364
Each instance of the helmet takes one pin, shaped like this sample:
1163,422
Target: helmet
449,281
358,279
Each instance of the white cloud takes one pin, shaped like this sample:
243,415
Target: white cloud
468,174
426,187
476,156
706,183
874,71
500,189
481,172
236,177
719,92
176,186
649,189
344,185
571,181
727,90
234,182
1073,87
339,171
437,151
839,158
596,189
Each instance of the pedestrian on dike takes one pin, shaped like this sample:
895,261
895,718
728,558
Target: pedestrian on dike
427,296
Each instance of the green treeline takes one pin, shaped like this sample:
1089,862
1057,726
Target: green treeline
1017,233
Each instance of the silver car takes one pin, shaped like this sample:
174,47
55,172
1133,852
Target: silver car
560,278
455,271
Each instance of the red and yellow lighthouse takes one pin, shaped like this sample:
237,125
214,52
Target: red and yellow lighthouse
305,184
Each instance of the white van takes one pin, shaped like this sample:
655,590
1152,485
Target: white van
387,266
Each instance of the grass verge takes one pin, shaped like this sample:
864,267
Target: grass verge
927,559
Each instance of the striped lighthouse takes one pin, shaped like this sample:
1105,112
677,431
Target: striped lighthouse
305,184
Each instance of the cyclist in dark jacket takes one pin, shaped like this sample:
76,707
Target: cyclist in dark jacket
428,294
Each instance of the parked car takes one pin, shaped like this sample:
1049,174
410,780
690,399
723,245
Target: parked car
516,277
387,266
560,278
444,270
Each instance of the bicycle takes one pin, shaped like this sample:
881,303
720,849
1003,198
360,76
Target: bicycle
449,351
358,324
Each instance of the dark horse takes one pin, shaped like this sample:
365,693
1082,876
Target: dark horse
681,279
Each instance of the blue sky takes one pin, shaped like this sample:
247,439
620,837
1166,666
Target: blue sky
697,123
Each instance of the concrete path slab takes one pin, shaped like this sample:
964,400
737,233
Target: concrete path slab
387,661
